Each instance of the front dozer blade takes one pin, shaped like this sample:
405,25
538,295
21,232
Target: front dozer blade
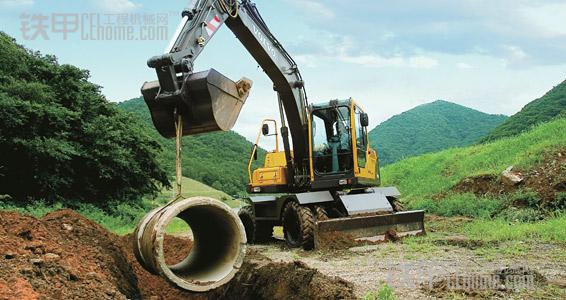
370,227
208,101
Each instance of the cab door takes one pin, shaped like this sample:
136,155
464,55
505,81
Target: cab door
365,158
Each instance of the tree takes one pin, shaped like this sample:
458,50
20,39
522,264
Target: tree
61,139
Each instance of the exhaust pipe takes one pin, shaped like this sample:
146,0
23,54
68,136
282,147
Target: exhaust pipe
219,244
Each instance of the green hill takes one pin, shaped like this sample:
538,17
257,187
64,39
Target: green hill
430,127
423,179
219,160
540,110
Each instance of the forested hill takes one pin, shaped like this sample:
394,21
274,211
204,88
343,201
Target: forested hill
431,127
219,160
60,139
540,110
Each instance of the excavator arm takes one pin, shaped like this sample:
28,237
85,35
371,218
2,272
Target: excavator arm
199,102
178,81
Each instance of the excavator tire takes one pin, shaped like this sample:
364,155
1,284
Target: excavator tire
298,226
247,216
320,213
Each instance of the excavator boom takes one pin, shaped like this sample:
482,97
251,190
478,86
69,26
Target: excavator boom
329,178
178,88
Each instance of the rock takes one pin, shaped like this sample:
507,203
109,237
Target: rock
36,261
391,235
512,178
67,227
91,275
51,257
110,293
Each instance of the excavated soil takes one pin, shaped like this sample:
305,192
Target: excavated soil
548,179
61,256
65,256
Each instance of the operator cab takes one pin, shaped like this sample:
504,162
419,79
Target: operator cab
341,156
331,139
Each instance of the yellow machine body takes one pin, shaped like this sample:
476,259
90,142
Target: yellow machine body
273,173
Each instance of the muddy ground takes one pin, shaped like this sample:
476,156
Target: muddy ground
65,256
439,268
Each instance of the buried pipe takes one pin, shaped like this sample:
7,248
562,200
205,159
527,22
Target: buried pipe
219,244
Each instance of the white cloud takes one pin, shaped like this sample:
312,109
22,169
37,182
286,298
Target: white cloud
372,60
378,61
422,62
306,60
315,8
14,3
464,66
550,19
514,53
333,47
117,6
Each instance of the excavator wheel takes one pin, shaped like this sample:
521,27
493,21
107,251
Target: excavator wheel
247,217
320,213
298,226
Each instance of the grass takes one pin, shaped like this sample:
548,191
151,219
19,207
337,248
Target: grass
492,238
461,205
385,292
124,217
550,231
435,173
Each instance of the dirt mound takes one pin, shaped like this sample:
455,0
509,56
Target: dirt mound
336,241
259,278
65,256
61,256
464,242
262,279
547,180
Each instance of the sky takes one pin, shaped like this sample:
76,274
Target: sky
390,56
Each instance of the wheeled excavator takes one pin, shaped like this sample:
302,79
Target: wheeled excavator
325,180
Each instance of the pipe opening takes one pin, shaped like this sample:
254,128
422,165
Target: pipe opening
178,241
217,250
216,243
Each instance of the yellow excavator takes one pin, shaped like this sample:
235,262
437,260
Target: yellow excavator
324,180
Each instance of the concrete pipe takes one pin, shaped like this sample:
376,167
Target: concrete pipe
219,244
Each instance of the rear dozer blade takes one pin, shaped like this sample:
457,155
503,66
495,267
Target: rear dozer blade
372,228
208,101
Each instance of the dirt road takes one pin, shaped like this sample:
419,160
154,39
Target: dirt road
415,269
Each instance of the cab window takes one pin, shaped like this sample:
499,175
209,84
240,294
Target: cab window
331,138
361,139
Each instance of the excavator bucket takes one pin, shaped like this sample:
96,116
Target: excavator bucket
208,101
